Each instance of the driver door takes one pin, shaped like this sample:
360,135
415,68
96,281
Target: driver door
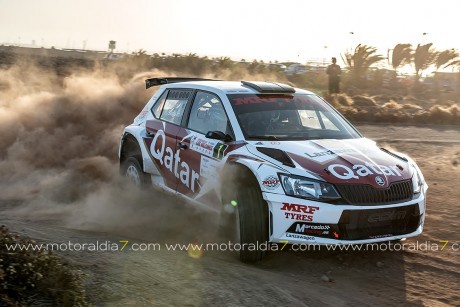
201,154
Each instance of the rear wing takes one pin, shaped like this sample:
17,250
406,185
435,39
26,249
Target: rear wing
167,80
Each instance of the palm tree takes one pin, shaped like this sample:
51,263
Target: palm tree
193,64
360,60
455,63
446,58
141,59
225,62
423,58
401,55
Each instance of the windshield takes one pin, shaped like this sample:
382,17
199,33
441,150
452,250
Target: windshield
289,117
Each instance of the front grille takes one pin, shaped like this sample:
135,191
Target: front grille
378,223
367,195
364,224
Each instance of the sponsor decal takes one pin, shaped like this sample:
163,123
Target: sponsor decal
313,226
275,143
380,181
142,114
314,229
252,99
259,143
202,146
271,182
299,212
299,208
297,236
386,216
208,148
327,155
359,170
141,117
208,167
166,157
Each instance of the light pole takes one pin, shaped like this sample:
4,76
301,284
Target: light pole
325,52
352,43
424,40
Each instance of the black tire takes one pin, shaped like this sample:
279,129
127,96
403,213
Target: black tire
132,170
252,222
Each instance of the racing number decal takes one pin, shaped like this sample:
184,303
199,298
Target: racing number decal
219,150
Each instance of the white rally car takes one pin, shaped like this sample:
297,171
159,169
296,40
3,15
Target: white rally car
292,167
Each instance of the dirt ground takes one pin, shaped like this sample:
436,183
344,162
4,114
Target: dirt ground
314,278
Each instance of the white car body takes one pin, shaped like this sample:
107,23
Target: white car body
353,166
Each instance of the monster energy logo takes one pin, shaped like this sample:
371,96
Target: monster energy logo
219,150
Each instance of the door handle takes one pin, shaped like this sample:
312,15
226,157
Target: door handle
181,145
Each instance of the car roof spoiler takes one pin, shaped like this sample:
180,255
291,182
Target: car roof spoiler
168,80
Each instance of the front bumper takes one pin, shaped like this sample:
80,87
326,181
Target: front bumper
301,221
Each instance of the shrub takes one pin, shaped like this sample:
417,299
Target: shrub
36,277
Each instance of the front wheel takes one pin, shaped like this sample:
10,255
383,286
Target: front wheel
252,220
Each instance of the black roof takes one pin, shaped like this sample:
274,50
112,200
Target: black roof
167,80
261,87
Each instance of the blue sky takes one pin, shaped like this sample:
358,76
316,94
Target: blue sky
270,30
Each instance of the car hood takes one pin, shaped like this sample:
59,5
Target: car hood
350,161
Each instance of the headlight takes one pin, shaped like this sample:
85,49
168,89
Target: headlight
308,188
416,183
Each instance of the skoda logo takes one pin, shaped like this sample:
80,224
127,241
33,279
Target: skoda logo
380,181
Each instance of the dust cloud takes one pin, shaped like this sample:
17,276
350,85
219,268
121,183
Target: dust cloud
58,152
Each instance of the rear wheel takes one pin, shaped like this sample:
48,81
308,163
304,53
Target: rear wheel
132,170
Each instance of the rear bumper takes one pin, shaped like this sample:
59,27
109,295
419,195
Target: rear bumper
300,221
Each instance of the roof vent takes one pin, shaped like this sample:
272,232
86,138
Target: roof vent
269,87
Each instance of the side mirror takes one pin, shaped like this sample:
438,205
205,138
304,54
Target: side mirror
219,135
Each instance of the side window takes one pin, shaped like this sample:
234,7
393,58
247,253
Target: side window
208,114
174,106
158,106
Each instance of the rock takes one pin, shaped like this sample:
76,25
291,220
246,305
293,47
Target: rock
380,264
325,278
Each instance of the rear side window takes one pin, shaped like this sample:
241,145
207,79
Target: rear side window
158,106
173,107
